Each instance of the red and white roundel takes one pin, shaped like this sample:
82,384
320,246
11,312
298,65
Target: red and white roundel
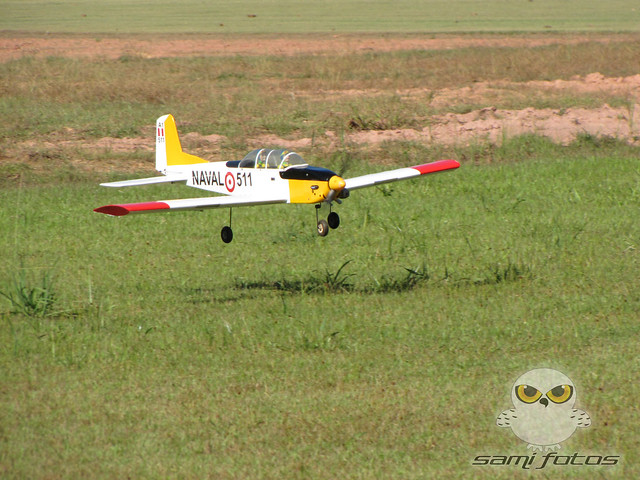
229,182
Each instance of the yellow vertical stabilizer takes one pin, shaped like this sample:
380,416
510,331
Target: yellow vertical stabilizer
168,148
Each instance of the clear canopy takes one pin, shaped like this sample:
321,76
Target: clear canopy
267,158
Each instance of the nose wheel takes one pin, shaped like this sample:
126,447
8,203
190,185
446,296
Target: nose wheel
332,222
323,228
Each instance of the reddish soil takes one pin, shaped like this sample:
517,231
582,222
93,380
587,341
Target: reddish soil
15,46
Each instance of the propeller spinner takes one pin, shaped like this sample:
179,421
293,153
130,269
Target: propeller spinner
336,184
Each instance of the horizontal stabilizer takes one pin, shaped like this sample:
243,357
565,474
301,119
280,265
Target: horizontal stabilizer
176,177
400,174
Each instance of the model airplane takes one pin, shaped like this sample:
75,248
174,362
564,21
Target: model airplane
262,177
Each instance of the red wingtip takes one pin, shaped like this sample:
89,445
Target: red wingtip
114,210
120,210
438,166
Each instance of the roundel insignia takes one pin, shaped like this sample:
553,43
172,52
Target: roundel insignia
229,182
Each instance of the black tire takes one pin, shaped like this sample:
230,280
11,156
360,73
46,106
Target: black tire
323,228
333,220
226,234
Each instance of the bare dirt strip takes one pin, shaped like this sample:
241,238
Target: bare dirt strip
17,45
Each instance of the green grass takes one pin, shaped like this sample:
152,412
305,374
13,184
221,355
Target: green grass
118,16
288,355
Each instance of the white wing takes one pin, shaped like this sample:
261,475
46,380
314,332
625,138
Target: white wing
399,174
186,204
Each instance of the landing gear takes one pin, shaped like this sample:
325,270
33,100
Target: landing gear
227,234
332,221
323,228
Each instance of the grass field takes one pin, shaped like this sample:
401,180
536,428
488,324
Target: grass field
165,353
145,348
275,16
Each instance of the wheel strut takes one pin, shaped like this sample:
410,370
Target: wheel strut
226,233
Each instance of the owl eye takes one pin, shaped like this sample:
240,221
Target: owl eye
560,394
527,393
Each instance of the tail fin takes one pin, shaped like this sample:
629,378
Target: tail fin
168,149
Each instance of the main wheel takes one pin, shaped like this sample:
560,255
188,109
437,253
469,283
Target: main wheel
323,228
333,220
226,234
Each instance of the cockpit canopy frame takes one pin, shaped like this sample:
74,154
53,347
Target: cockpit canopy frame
271,158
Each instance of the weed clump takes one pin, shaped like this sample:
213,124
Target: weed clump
413,278
32,300
511,272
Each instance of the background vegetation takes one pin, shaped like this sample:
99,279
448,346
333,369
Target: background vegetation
294,97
